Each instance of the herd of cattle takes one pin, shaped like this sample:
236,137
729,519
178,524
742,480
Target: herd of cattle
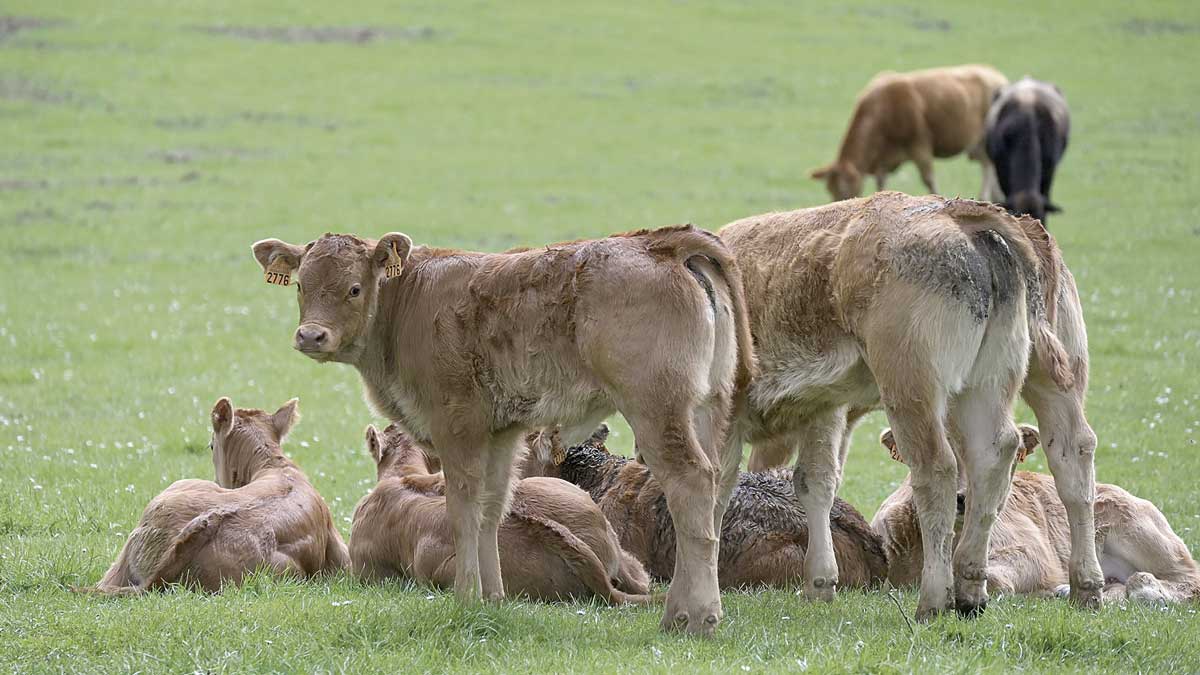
781,331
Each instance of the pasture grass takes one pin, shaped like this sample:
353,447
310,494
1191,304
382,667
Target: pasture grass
145,145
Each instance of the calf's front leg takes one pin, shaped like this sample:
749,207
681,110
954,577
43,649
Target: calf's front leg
815,479
495,501
464,466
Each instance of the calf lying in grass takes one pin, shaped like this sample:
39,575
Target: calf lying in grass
764,534
261,513
554,544
1142,557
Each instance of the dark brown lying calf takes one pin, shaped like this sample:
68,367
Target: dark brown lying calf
763,537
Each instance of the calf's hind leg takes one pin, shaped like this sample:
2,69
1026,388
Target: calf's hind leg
1070,446
989,441
669,447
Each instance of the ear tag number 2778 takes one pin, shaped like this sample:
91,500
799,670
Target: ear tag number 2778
394,264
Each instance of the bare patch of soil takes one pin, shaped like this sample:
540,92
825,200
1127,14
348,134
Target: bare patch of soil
322,34
913,16
1159,27
186,155
21,89
248,116
11,25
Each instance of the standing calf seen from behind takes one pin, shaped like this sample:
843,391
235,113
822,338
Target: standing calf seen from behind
468,352
930,308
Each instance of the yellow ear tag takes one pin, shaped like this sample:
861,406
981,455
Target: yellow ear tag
279,272
558,454
895,454
394,264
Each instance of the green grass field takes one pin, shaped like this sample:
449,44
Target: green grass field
145,145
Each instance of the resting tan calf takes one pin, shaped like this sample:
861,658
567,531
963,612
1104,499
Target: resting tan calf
1142,557
763,537
914,116
261,513
929,308
469,352
554,544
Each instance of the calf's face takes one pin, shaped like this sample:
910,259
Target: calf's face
337,283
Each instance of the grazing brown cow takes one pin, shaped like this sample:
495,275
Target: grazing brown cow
554,543
468,352
914,116
1142,557
927,307
261,513
763,537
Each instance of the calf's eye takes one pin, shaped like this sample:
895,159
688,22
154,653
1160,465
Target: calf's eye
355,290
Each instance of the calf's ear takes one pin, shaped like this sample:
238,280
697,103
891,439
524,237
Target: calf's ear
374,443
222,416
391,253
279,260
286,417
821,173
1051,207
888,440
1029,441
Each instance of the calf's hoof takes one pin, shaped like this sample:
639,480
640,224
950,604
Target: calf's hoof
927,614
702,624
820,589
970,594
1087,594
969,609
928,609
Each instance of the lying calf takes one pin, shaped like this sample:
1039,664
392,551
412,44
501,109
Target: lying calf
763,537
1142,558
261,513
554,544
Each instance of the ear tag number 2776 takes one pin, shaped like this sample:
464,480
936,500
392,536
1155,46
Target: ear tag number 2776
279,273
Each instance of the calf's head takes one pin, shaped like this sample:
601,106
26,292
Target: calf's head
843,180
245,439
395,454
337,281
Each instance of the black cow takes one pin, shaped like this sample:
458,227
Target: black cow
1027,129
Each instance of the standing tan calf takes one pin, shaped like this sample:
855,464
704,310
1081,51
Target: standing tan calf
914,116
763,537
469,352
554,543
1142,557
928,307
261,513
